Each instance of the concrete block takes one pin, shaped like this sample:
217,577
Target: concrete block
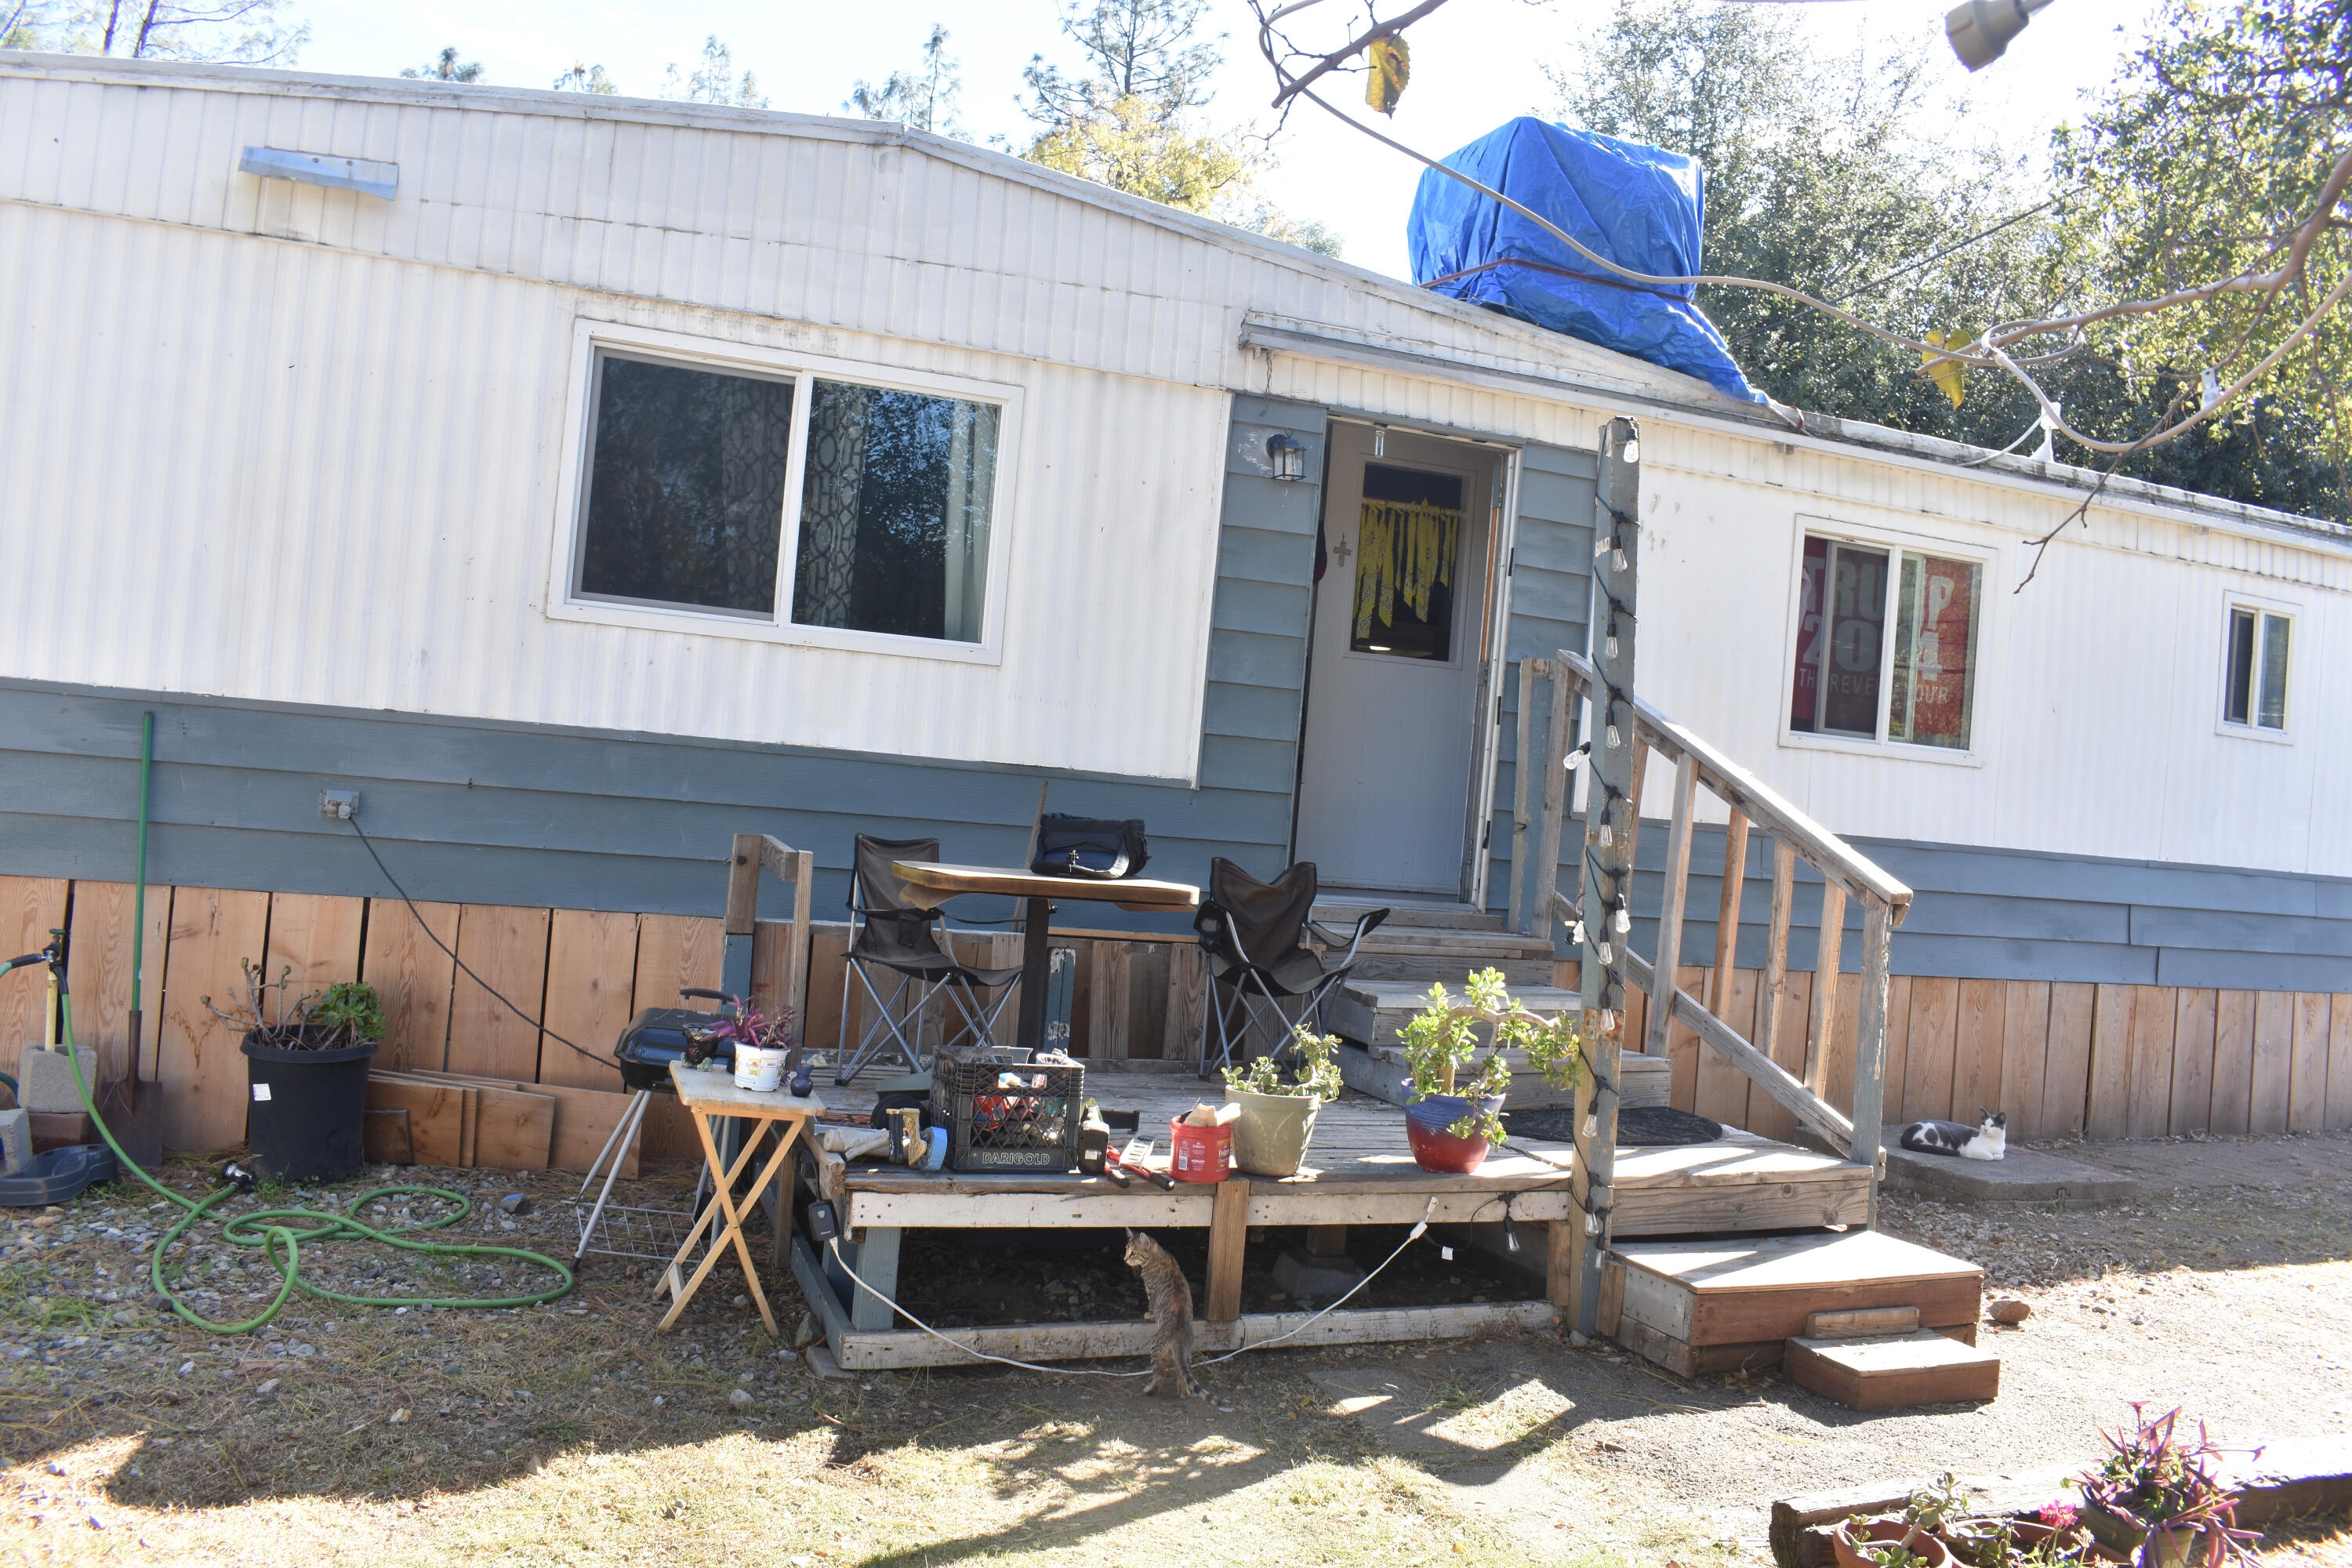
2025,1176
16,1140
44,1080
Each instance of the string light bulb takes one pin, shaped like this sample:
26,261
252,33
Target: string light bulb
1591,1224
1613,737
1608,1021
1617,556
1622,921
1576,934
1604,836
1632,452
1591,1125
1577,755
1608,953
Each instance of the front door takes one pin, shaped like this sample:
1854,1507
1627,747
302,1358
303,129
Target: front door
1392,672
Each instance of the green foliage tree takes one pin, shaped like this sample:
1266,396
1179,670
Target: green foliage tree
1143,50
715,81
446,66
237,32
585,78
924,98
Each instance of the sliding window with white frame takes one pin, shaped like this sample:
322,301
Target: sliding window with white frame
1888,645
738,493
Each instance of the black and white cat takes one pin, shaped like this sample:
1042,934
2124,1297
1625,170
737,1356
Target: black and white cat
1989,1140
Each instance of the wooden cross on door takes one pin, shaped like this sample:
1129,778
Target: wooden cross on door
1341,552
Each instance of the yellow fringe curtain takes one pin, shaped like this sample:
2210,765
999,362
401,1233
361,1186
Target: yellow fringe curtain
1403,551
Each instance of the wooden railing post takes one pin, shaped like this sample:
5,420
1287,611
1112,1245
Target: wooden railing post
1825,986
1605,859
1554,752
1870,1042
794,868
1523,917
1726,907
1670,912
1776,944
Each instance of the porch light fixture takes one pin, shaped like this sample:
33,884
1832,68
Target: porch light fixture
1380,440
1981,30
1288,456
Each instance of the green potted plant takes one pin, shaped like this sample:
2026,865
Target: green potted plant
1862,1543
1278,1115
2157,1495
1457,1096
306,1072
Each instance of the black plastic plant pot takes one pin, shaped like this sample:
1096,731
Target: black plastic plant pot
305,1109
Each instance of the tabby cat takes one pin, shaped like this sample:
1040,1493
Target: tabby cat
1171,1313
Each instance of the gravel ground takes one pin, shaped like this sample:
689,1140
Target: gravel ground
341,1430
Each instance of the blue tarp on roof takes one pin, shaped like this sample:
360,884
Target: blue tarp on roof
1640,206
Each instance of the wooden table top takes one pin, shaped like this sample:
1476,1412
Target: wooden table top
712,1091
1127,892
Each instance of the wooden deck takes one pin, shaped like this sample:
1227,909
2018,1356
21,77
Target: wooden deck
1361,1174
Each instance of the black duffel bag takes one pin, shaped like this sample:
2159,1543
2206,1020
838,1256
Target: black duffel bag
1090,847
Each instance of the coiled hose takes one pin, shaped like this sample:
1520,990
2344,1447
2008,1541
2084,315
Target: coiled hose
280,1233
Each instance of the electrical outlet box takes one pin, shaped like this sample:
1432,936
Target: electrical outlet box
342,804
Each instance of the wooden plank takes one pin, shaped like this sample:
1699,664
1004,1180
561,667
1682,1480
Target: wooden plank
469,1106
1722,1088
779,952
828,969
2066,1072
1978,1050
1860,1322
2192,1064
1927,1073
435,1115
2147,1096
202,1070
98,966
1776,947
863,1351
1188,1004
1760,1070
1689,1071
1669,956
2107,1111
2339,1062
2233,1061
1893,1372
1726,909
412,977
1147,995
1871,1029
2307,1104
317,936
675,952
1228,1235
1519,914
1107,1005
1896,1046
1845,1027
1823,997
29,907
584,1118
385,1137
1141,1206
2273,1060
592,975
742,885
506,946
513,1130
2024,1051
1767,1117
1552,770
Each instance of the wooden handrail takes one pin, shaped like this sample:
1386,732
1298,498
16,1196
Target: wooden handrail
1831,855
797,869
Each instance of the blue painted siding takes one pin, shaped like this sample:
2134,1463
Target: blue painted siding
484,812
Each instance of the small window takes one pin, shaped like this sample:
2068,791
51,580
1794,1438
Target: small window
685,487
1408,541
2255,693
1886,645
895,513
692,500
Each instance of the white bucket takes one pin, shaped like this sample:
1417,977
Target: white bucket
760,1068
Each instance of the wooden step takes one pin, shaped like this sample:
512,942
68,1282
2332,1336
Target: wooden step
1340,911
1888,1372
1698,1307
1370,1011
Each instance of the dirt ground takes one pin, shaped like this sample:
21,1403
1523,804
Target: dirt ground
573,1433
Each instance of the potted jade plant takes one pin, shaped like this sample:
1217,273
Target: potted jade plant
1457,1097
1277,1117
305,1064
2157,1495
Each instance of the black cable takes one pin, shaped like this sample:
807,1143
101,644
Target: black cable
595,1056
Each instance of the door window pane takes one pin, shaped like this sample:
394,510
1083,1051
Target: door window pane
1857,626
685,487
895,511
1936,614
2237,700
1408,541
2273,714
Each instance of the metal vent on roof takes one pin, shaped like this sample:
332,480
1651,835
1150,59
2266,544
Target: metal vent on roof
364,175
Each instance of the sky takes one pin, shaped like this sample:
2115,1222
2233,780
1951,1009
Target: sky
1475,63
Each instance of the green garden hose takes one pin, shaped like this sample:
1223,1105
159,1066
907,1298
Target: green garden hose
282,1242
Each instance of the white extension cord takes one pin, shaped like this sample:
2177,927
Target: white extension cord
1420,1227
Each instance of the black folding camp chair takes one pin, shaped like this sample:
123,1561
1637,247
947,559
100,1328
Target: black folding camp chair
900,939
1261,973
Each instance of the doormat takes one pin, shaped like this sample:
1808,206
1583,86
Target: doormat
1638,1126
